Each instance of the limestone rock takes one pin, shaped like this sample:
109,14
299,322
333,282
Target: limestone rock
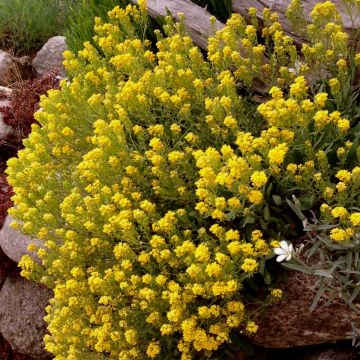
14,244
50,57
22,308
13,69
5,130
290,323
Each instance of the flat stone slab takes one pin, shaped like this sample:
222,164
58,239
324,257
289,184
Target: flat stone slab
290,323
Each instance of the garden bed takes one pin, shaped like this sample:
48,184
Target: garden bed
168,199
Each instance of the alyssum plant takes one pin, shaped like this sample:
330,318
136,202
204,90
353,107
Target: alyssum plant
159,192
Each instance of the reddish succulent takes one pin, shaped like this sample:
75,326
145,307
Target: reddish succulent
24,101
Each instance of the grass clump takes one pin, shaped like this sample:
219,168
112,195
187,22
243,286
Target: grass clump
79,21
27,26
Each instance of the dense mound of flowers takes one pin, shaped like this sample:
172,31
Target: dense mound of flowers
157,189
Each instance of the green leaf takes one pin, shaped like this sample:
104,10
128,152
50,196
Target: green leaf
306,202
266,213
349,303
263,224
249,220
313,249
356,259
312,227
317,298
349,260
277,200
268,190
267,277
296,208
262,266
355,294
322,272
298,268
231,215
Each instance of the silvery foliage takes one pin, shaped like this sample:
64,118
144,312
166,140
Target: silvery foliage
335,267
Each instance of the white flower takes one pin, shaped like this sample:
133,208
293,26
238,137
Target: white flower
297,67
284,251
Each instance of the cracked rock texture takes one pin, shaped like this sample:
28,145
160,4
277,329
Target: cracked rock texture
22,308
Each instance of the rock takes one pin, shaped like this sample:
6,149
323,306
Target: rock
22,308
335,354
5,130
14,244
6,266
290,323
50,57
6,91
13,69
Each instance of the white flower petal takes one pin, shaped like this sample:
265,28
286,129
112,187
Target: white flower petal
284,245
280,258
279,251
288,257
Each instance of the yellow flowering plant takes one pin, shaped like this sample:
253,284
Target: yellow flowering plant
159,194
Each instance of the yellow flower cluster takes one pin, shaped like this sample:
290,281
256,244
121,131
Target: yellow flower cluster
143,178
110,189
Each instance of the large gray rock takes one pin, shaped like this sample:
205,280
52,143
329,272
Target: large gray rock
22,309
15,244
14,69
5,130
50,57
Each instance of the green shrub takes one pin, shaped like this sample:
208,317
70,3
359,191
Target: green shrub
80,19
26,26
158,196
